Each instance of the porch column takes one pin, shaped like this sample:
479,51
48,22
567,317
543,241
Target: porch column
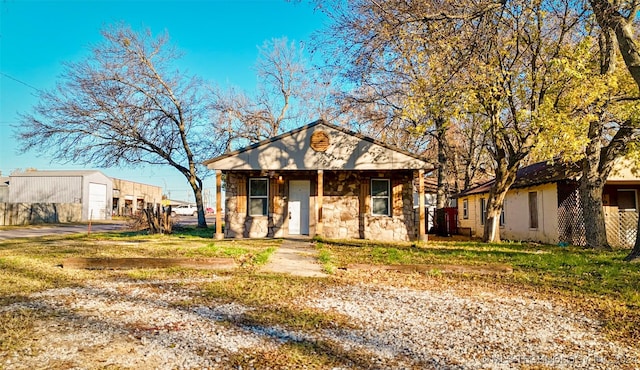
422,234
319,224
219,234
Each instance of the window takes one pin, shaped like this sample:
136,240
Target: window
465,209
483,210
502,216
258,197
627,200
533,210
380,197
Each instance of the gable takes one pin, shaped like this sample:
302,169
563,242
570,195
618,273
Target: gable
318,146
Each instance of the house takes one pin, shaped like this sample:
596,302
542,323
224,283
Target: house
320,179
543,205
90,191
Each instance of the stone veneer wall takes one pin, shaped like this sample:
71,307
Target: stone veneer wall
234,219
341,205
342,195
402,225
238,224
343,192
39,213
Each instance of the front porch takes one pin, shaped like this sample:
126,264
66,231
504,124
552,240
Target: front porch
333,204
321,180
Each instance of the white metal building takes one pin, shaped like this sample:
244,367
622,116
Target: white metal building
90,188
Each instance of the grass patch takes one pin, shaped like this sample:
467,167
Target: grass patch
306,355
273,299
15,329
262,257
324,256
607,284
597,282
31,265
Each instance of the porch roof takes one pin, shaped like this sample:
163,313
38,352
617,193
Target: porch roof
318,146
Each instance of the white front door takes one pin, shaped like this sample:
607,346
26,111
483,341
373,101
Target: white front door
299,192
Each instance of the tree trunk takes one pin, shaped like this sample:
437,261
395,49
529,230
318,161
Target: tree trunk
593,215
594,176
152,219
441,194
505,177
202,221
166,220
196,186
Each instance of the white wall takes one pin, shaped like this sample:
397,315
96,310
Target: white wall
45,189
516,225
516,212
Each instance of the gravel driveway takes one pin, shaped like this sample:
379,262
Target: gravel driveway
138,325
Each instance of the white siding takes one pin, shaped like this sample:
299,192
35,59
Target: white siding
293,152
46,189
517,215
516,208
473,221
96,178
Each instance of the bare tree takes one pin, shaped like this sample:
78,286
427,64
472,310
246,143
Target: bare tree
403,91
124,105
289,93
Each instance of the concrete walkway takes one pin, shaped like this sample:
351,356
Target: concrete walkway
296,256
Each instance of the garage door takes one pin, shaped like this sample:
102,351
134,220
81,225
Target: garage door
97,201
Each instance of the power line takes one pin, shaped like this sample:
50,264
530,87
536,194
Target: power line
20,81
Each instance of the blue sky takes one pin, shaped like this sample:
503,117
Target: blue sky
220,40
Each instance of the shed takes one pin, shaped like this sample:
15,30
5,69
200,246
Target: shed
321,179
90,188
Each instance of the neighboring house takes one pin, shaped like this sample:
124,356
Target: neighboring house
91,189
324,180
130,197
543,205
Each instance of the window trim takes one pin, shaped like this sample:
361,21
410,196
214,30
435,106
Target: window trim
531,209
465,209
250,197
388,197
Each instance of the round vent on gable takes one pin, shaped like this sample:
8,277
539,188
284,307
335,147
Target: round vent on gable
319,141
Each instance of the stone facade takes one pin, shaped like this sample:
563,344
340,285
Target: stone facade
234,216
346,205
